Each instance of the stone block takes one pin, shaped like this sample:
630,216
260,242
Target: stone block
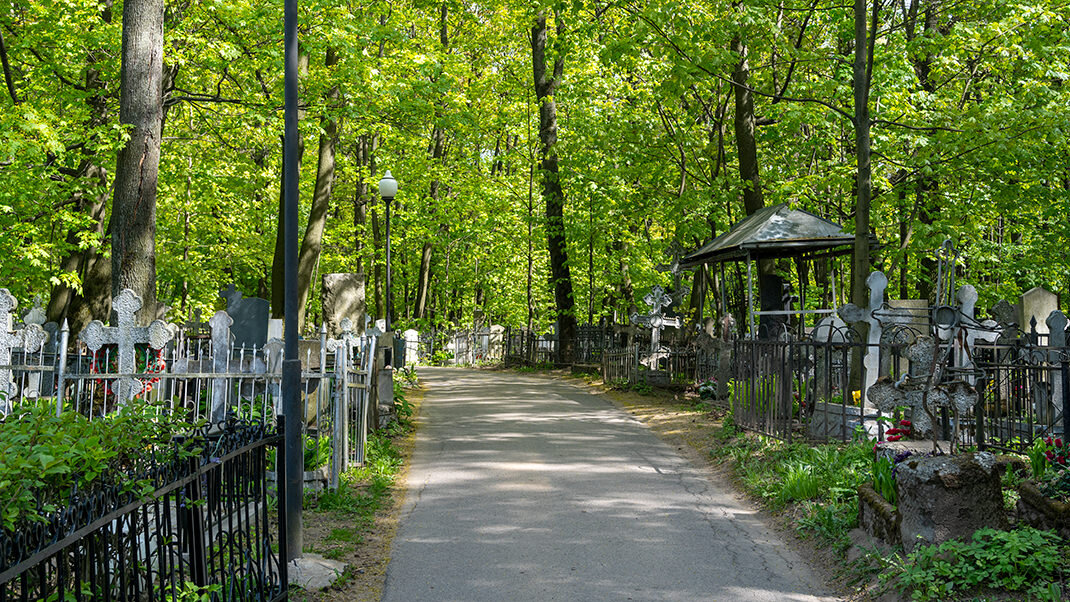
343,297
948,497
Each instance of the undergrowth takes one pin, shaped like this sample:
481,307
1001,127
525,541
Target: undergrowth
817,485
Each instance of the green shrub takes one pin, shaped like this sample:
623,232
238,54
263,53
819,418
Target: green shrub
46,458
1024,560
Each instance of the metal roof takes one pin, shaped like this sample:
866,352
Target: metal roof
775,231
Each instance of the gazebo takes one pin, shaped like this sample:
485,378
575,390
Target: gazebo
774,232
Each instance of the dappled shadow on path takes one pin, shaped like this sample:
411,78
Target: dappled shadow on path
525,488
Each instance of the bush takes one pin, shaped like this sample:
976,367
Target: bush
1024,560
47,459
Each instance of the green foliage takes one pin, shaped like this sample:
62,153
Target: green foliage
402,406
821,482
47,457
317,451
1023,560
884,479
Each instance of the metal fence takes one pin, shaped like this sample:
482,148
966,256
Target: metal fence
194,377
815,390
209,525
638,365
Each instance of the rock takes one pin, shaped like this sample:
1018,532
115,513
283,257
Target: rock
1041,512
948,497
877,518
313,572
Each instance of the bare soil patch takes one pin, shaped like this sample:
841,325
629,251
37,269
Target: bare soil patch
360,540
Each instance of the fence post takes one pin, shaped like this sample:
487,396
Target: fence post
280,493
61,367
1066,397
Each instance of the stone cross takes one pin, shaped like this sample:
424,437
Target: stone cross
125,336
656,320
30,338
971,332
922,390
1056,323
852,314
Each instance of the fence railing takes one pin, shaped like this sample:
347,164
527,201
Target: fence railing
209,527
193,376
815,390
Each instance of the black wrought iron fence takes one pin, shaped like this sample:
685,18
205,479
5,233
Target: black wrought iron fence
816,390
211,527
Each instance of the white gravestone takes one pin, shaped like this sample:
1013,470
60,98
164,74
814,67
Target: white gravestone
412,347
30,339
125,336
1037,303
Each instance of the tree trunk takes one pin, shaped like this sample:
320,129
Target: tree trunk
133,241
545,87
746,146
863,65
312,243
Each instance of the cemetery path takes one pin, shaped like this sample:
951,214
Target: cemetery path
524,487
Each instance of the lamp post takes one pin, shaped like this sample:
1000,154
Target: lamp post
388,187
292,409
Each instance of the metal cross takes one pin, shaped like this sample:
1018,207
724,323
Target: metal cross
125,336
29,339
656,320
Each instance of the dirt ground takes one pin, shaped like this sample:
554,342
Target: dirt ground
672,416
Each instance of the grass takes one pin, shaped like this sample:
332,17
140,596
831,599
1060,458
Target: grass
817,485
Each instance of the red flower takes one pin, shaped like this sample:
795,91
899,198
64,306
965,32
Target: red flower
906,423
1050,456
1059,442
1062,460
894,437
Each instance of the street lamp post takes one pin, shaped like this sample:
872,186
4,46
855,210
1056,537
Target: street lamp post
388,188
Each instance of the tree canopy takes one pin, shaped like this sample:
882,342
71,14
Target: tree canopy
969,110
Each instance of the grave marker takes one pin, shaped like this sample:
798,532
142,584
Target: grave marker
250,317
125,336
1037,303
29,339
656,320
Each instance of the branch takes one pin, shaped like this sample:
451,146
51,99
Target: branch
7,70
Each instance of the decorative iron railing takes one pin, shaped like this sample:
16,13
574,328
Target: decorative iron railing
211,527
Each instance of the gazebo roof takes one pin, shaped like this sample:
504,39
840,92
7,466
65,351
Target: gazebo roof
776,231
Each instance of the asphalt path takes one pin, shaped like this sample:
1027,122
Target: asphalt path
524,487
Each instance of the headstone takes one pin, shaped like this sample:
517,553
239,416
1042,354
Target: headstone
412,347
853,314
948,497
343,297
496,341
220,324
1037,303
276,327
656,320
381,324
125,336
1056,323
250,317
30,338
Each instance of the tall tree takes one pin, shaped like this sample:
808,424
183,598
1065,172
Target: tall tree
546,85
133,241
312,243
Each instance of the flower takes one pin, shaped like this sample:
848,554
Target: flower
856,396
905,423
1050,455
1059,442
1061,460
894,437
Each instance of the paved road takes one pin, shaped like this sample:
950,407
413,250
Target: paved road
526,488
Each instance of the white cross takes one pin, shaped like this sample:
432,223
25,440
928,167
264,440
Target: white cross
851,313
656,320
125,336
29,339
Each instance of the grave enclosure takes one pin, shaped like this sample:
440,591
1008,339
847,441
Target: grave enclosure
213,519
